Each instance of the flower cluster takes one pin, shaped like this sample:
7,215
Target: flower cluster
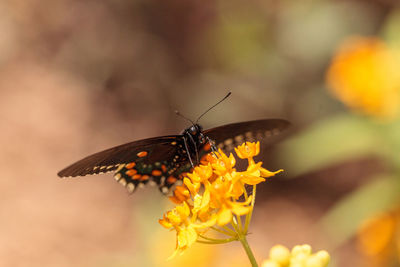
300,256
364,75
214,195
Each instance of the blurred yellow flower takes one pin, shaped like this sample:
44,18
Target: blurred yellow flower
364,75
214,195
300,256
379,240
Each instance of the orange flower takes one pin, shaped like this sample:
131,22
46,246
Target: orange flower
181,193
376,235
364,75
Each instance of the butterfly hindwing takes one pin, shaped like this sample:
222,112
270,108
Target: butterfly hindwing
136,174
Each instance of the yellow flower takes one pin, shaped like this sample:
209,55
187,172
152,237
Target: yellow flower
223,164
187,230
181,193
226,205
376,234
378,239
300,256
200,175
255,174
364,75
248,150
213,195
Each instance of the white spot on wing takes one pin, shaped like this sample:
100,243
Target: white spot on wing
130,187
164,189
122,182
228,142
239,139
117,176
120,166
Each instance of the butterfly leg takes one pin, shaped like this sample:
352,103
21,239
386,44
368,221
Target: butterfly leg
195,148
187,151
212,145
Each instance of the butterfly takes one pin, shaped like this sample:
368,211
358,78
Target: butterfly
164,160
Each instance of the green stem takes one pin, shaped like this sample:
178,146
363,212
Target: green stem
248,215
250,255
226,228
246,196
242,238
238,218
216,241
223,231
210,243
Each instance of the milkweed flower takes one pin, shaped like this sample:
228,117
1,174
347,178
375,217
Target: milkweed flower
214,197
299,256
364,75
378,238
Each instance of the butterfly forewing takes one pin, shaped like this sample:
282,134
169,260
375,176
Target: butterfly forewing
228,136
148,151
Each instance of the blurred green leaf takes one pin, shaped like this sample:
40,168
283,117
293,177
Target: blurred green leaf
389,134
391,28
343,220
329,142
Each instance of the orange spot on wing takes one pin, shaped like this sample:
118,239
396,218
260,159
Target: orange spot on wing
137,176
203,160
164,168
145,177
207,147
156,173
130,165
171,179
142,154
131,172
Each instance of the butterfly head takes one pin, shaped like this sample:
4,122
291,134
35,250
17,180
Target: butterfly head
196,131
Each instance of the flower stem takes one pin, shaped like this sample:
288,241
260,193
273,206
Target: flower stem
248,215
247,248
223,231
241,236
218,239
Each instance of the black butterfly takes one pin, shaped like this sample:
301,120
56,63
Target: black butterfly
163,160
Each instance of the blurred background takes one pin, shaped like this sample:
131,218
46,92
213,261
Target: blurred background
77,77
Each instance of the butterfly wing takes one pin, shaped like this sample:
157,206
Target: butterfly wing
147,151
228,136
163,160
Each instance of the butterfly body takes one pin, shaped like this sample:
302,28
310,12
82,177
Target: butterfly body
164,160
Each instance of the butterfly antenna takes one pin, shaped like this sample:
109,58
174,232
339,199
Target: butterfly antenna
213,106
180,115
